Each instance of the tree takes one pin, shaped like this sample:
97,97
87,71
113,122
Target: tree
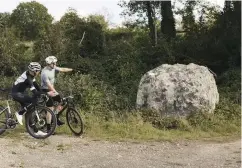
12,53
145,10
31,19
188,18
168,21
72,25
42,48
94,27
98,19
4,19
150,15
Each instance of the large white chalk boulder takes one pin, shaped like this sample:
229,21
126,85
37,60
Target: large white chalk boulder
178,90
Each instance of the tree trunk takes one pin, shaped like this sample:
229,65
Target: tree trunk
151,22
227,14
168,21
227,5
237,10
188,18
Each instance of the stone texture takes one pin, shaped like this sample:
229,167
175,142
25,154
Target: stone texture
178,90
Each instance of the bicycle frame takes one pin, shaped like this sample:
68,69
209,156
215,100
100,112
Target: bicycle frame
9,112
66,105
3,112
9,121
6,108
71,114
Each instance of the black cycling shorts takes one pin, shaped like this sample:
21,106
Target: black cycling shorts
23,98
50,102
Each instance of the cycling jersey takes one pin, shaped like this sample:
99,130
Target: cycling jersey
25,81
48,75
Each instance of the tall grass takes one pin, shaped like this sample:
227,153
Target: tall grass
136,126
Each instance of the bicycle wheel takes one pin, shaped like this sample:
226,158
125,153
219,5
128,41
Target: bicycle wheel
74,121
36,121
4,115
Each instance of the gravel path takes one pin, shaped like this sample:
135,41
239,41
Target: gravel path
70,152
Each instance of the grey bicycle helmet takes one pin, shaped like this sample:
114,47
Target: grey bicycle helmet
34,66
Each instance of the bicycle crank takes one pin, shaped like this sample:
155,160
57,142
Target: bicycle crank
11,123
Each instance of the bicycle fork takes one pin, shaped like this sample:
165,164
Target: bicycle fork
40,122
37,115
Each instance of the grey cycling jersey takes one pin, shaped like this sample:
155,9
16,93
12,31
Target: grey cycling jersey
48,74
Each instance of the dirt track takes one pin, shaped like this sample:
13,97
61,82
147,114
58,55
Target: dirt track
71,152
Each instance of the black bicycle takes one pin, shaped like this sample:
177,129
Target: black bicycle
36,119
73,117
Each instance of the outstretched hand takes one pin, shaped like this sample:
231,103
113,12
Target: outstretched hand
65,69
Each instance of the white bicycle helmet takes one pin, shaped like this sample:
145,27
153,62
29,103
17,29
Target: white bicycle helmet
51,59
34,66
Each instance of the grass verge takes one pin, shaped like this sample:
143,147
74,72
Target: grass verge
134,126
224,124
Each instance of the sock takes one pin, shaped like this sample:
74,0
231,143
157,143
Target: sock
58,116
35,128
21,112
48,127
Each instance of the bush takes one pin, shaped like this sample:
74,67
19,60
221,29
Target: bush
155,118
7,82
228,110
229,84
91,94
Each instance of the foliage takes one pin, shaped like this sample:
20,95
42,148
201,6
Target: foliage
91,94
31,19
230,85
11,51
4,19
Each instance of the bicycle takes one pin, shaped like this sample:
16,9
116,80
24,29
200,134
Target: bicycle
73,118
35,118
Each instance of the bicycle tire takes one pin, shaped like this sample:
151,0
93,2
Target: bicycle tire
4,127
29,119
72,111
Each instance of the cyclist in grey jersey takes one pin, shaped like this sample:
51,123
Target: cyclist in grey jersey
47,83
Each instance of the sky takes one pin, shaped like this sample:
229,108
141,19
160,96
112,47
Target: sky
57,8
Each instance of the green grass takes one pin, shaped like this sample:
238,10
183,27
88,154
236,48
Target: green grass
132,127
148,126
